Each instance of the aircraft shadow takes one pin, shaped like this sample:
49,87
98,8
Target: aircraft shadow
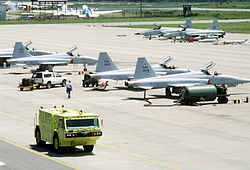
66,151
129,89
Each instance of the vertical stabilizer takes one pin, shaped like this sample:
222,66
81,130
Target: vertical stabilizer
214,26
20,51
188,24
143,69
105,63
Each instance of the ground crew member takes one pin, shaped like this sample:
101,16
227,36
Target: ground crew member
68,88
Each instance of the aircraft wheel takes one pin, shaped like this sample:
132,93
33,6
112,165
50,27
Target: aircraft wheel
168,91
88,148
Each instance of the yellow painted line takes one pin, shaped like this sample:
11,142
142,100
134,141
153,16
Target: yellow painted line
16,117
106,146
38,153
137,156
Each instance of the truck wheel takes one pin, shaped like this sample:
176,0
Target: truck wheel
31,88
88,148
39,142
56,146
38,86
83,83
49,85
63,83
87,84
21,89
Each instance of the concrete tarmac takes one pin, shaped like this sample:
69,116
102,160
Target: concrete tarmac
135,135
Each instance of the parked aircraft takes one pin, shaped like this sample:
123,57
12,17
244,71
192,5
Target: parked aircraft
107,70
213,30
191,34
146,78
7,53
84,12
22,57
11,5
164,30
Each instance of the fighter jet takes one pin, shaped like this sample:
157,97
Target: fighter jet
22,57
191,34
84,12
7,53
107,70
164,30
146,78
213,30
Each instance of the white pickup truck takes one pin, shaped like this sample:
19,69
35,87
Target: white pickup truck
48,79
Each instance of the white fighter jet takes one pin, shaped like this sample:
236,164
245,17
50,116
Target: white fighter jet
106,70
84,12
192,34
164,30
22,57
7,53
146,78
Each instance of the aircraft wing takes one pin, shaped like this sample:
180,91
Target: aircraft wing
38,61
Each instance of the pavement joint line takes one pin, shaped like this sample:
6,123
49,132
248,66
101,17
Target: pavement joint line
106,146
38,153
137,156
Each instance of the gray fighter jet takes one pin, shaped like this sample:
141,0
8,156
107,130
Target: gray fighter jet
106,70
191,34
146,78
22,57
7,53
163,30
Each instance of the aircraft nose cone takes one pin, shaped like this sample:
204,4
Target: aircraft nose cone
243,80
